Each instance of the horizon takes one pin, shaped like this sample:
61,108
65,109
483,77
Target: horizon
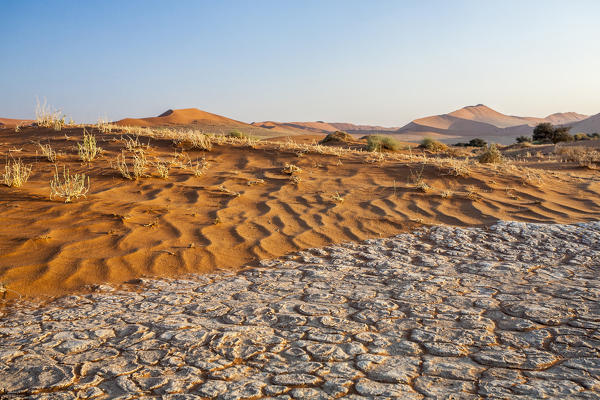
380,64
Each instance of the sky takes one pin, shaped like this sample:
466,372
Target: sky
371,62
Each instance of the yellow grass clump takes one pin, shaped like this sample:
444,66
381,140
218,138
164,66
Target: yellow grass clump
88,150
69,186
16,173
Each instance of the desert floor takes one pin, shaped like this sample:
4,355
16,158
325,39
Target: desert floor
244,207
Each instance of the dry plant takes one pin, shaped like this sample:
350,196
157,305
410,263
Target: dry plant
104,126
256,182
196,140
375,158
47,152
456,167
473,193
162,168
291,169
199,167
134,143
16,173
423,187
337,197
68,186
48,117
533,178
140,163
228,192
295,179
17,128
491,155
415,176
583,156
88,150
446,193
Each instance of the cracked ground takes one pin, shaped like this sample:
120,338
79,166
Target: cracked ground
509,311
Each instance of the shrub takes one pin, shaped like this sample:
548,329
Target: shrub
162,168
68,186
379,143
200,141
337,137
47,151
16,173
581,136
88,150
139,165
237,134
547,133
491,155
595,135
433,145
523,139
583,156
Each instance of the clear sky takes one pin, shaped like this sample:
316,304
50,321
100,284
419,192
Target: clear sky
376,62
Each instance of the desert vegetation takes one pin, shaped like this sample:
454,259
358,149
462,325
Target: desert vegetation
433,145
380,143
68,186
16,173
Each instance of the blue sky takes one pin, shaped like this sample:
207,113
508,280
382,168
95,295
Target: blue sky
380,62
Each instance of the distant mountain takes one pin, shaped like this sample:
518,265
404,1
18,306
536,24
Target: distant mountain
320,127
480,121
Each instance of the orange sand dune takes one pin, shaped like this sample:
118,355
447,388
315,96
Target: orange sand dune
198,119
126,229
11,123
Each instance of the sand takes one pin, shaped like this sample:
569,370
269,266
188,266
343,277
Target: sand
156,227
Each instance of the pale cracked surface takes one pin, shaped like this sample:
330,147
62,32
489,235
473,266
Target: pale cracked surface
512,311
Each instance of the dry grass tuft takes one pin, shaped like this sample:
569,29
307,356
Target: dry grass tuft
256,182
139,165
291,169
337,197
68,186
491,155
583,156
48,117
223,189
16,173
433,145
162,168
88,150
47,152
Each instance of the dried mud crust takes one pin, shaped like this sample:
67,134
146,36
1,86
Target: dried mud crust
512,311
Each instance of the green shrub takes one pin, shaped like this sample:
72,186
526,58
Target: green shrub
548,133
523,139
237,134
379,143
581,136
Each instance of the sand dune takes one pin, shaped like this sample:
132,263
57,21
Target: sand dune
195,118
11,122
589,125
320,127
166,227
482,121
